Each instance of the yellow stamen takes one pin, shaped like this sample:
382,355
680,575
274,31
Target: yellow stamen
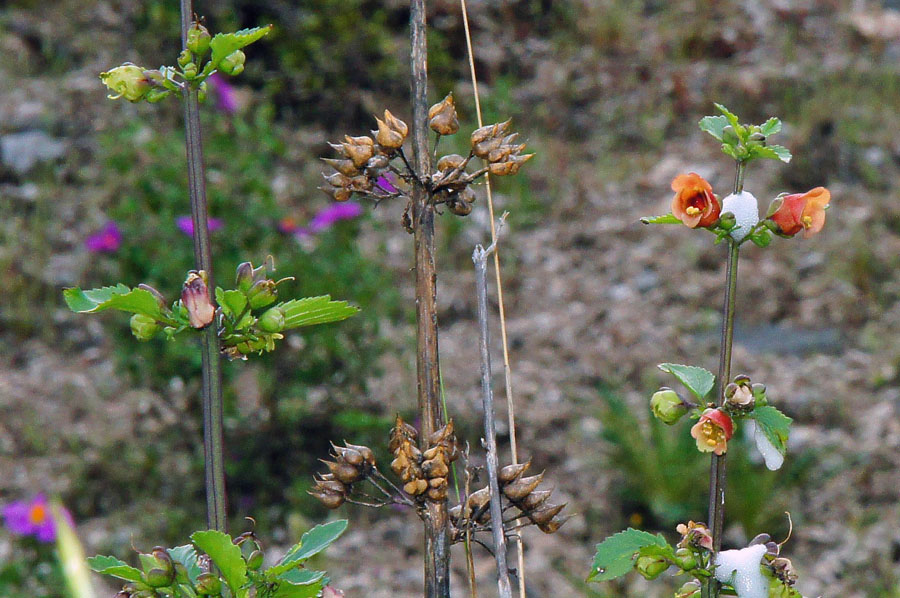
807,221
691,210
37,513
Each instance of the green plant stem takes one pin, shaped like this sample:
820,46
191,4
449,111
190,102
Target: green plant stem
437,539
717,475
211,358
480,256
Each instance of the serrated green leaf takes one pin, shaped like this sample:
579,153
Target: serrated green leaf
615,555
733,152
664,219
731,118
774,424
311,543
772,152
770,127
783,153
223,44
315,310
714,125
136,301
108,565
232,302
289,590
301,577
656,550
697,380
187,556
225,555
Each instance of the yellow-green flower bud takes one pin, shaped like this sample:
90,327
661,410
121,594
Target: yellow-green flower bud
144,327
255,560
233,64
685,559
272,320
198,39
185,57
262,293
127,81
208,584
667,406
190,70
650,567
689,590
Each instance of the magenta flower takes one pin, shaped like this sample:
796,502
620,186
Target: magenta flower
386,182
226,99
107,240
334,213
186,225
30,518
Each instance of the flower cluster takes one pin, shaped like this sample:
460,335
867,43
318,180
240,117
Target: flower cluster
424,474
367,163
351,464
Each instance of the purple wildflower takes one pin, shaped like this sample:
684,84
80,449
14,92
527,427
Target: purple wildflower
226,99
186,225
334,213
106,240
386,183
30,518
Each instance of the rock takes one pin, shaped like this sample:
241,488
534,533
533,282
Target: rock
21,151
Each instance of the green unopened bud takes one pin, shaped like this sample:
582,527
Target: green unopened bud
255,560
685,559
233,64
198,39
127,81
650,567
759,394
262,293
761,238
202,91
272,320
208,584
157,95
730,136
185,57
144,327
667,406
689,590
190,70
243,277
163,574
727,221
757,139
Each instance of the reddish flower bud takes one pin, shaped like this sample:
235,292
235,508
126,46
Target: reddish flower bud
694,203
195,298
802,212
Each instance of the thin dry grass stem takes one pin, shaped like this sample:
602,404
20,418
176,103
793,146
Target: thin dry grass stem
507,370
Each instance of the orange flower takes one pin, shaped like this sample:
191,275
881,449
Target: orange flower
802,212
694,203
713,431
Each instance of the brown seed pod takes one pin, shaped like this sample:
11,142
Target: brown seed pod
442,117
329,499
441,434
437,494
435,468
483,149
437,482
450,162
545,514
522,487
535,499
396,124
348,455
359,150
477,500
552,526
367,453
415,487
455,513
338,180
343,472
400,465
387,137
459,207
510,473
432,452
332,486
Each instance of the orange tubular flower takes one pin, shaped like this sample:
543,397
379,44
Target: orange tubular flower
802,212
713,431
694,203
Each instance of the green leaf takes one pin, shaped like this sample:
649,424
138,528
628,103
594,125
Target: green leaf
232,302
301,577
770,127
731,118
664,219
289,590
714,125
225,555
136,301
698,380
773,152
108,565
312,542
223,44
774,424
615,555
315,310
187,556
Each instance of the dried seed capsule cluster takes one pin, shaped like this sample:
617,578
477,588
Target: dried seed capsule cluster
351,463
366,164
521,492
424,474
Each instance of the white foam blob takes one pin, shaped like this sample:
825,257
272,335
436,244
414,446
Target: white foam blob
773,458
746,213
744,565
